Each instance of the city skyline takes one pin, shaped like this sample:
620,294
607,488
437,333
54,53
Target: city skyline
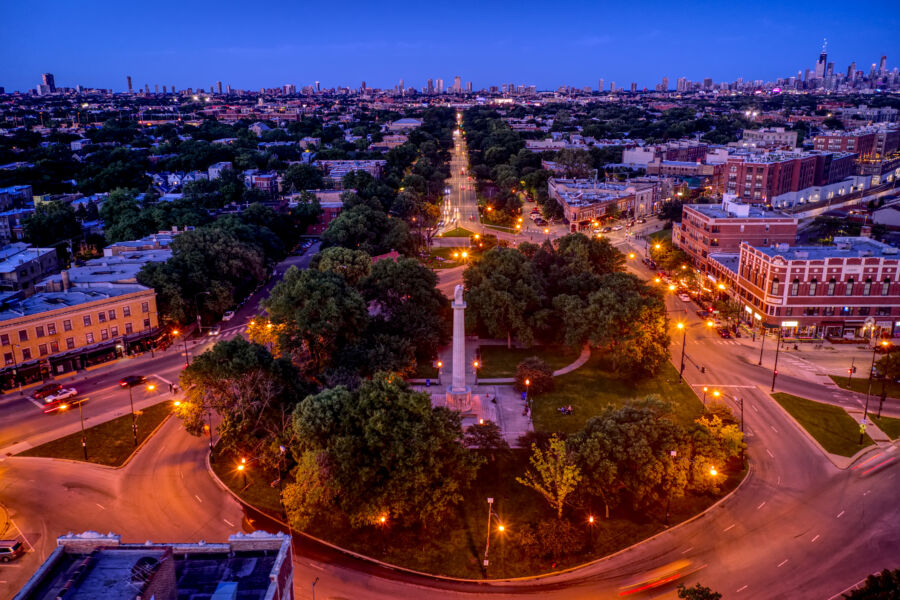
531,48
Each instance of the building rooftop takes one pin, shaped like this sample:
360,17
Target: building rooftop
728,260
48,301
736,210
844,247
14,255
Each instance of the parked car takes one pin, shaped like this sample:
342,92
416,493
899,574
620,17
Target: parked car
617,228
684,297
606,229
50,388
229,315
723,333
11,550
642,220
132,380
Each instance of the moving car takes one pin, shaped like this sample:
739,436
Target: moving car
724,333
132,380
684,297
11,550
62,404
617,228
229,315
659,577
50,388
61,395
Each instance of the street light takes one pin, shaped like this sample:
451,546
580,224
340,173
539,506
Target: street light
681,326
242,470
197,306
884,344
475,365
775,365
704,394
81,417
187,361
150,387
500,528
527,395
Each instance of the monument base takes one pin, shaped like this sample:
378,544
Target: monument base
460,399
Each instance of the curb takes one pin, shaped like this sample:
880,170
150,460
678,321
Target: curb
482,582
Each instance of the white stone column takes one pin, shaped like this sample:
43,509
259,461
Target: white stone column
458,380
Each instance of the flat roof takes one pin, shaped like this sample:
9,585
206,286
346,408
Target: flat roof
716,211
842,248
13,256
82,294
728,260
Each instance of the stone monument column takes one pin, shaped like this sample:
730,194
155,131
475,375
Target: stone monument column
459,396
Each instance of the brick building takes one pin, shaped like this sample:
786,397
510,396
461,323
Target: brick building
587,200
835,291
862,142
763,178
721,228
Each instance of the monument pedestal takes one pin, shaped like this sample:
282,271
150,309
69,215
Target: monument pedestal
460,399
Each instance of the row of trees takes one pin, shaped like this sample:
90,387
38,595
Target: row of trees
574,293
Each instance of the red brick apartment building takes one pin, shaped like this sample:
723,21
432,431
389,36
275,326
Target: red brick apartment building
759,178
720,228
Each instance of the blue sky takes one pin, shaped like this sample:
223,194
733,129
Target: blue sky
267,44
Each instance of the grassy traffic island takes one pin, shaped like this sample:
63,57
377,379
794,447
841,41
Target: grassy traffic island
830,425
860,385
534,540
110,443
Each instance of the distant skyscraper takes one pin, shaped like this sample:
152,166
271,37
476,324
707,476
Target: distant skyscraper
129,83
318,88
680,84
707,83
851,71
155,88
429,87
822,62
147,88
633,86
612,86
219,87
882,70
400,87
440,86
600,86
228,89
665,84
362,87
164,89
49,81
469,87
457,84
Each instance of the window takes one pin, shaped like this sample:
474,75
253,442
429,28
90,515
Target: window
831,284
775,286
54,347
795,287
848,291
70,343
67,325
812,286
4,340
23,335
810,311
89,338
42,349
867,288
846,311
112,315
828,311
104,334
51,328
886,286
883,311
788,311
146,323
126,311
101,317
128,328
26,354
863,311
145,307
39,331
87,320
8,358
114,331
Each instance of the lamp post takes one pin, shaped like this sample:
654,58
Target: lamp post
591,529
681,326
16,377
500,528
133,417
187,361
884,344
197,306
527,394
475,365
762,344
775,366
672,455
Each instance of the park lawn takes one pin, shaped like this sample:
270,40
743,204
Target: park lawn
498,361
830,425
889,425
442,258
109,443
663,235
861,385
425,371
460,232
258,491
593,387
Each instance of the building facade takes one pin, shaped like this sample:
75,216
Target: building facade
586,201
21,266
761,178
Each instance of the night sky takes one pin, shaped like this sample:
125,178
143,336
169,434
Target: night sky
547,44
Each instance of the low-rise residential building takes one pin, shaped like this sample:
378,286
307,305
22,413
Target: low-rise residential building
407,124
336,170
586,201
773,137
849,289
21,266
329,200
155,241
215,171
16,196
680,150
56,332
721,228
120,269
12,224
860,141
254,566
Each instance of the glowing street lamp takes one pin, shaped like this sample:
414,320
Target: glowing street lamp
713,472
681,326
500,529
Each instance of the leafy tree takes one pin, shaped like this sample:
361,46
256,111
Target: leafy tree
321,312
486,437
881,586
352,265
384,451
551,539
576,163
698,592
252,392
302,177
51,224
712,444
122,216
372,231
537,372
553,473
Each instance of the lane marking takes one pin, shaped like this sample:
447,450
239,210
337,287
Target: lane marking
754,408
773,428
730,526
868,460
839,515
230,524
741,589
815,538
198,498
866,493
882,463
769,452
688,550
100,505
782,563
761,505
779,480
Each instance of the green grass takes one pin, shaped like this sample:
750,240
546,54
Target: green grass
442,258
593,387
425,371
889,425
861,385
460,232
253,484
498,361
109,443
663,235
830,425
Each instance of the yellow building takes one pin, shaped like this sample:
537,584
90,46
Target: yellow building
55,332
